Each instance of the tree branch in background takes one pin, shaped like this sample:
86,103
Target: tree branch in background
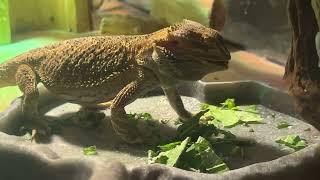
302,71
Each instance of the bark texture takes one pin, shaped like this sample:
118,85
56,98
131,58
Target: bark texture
302,70
218,15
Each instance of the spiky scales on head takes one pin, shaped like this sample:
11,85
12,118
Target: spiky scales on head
193,50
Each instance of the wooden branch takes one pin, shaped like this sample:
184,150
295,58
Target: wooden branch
302,71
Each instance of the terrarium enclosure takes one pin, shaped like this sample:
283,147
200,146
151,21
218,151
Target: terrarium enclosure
90,89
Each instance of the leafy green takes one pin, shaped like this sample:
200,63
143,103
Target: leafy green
249,117
194,128
229,103
292,141
227,117
227,147
232,115
27,136
196,149
134,118
142,116
91,150
252,109
200,157
169,146
282,125
171,154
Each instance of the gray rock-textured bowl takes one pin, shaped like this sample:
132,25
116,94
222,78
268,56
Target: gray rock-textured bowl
59,159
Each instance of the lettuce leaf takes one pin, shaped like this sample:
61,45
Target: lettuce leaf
292,141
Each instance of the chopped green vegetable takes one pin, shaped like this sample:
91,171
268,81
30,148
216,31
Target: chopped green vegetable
249,117
292,141
252,109
230,146
200,157
231,117
142,116
91,150
283,124
195,146
194,128
134,118
229,103
227,117
27,136
172,154
169,146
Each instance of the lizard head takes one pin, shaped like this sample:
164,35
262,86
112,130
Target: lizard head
189,51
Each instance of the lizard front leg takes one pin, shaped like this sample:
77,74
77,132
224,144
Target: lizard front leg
26,81
125,129
176,103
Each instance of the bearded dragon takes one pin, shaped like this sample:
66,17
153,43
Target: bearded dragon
92,70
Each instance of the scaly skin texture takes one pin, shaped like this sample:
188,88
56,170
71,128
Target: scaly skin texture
93,70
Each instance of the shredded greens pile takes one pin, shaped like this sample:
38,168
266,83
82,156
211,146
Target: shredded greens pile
197,156
200,145
191,150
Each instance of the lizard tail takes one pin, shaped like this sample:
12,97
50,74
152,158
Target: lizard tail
6,79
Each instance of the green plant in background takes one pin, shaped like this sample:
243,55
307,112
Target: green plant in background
5,33
116,24
175,10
